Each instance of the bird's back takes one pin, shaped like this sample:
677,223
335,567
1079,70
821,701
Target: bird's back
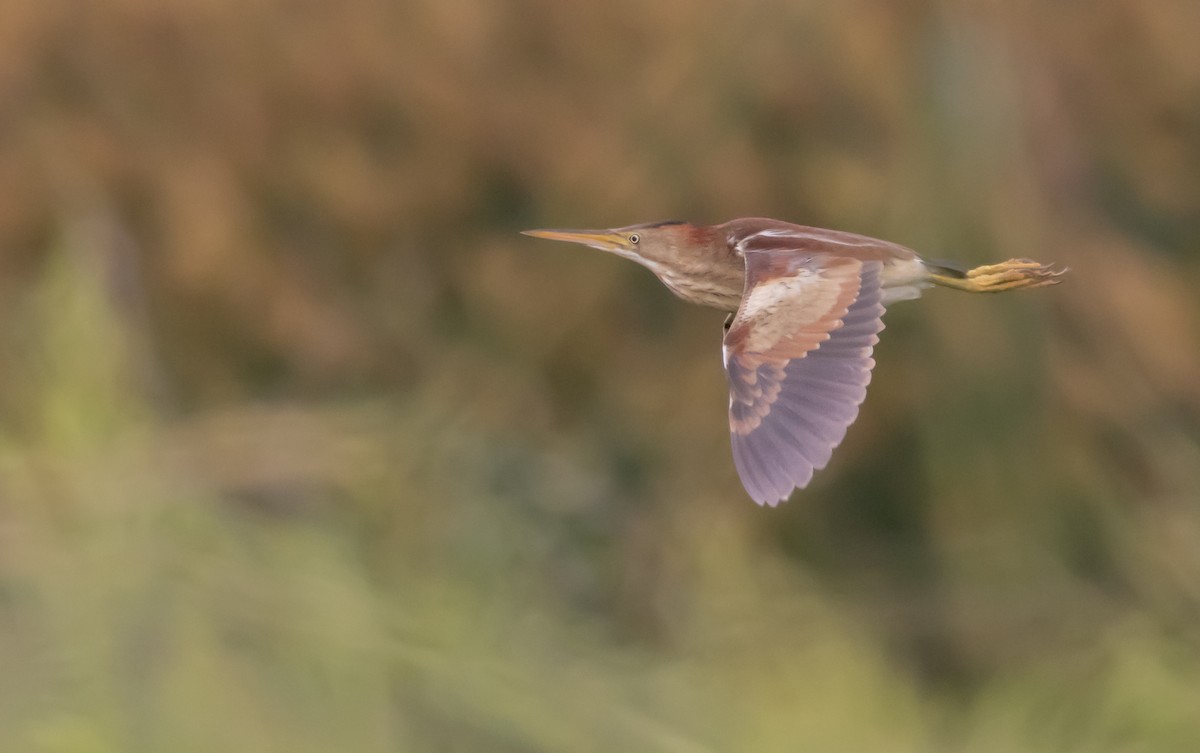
764,234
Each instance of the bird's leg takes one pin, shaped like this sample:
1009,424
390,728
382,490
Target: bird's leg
997,278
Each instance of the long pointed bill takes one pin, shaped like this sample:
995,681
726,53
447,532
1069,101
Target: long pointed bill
605,240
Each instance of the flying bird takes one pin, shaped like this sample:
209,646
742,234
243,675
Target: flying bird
805,311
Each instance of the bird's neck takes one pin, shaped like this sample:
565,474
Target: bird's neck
700,267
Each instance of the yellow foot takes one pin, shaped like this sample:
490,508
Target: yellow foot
1009,275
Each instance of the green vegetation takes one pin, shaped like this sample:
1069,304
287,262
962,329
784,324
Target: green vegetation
303,448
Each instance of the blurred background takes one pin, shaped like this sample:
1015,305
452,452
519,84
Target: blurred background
304,448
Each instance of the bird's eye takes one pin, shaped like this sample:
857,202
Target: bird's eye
634,238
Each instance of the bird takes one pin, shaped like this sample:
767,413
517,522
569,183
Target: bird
805,308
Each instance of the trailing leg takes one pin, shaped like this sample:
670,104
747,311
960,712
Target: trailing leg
1013,274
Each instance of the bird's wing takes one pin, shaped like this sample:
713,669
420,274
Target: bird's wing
756,234
798,358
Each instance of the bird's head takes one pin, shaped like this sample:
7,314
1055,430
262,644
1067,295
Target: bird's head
650,244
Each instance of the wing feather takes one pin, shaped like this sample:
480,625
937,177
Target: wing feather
798,358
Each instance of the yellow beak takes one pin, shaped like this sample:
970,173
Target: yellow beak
605,240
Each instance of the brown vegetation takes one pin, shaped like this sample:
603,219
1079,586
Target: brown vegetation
303,447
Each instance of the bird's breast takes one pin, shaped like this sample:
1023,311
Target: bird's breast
715,286
705,293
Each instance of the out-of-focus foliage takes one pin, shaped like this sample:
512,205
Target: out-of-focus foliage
303,448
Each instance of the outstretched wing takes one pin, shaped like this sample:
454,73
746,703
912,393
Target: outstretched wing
798,358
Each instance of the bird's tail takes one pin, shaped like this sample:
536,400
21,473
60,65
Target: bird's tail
1013,274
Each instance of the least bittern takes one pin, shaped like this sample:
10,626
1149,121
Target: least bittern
806,308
